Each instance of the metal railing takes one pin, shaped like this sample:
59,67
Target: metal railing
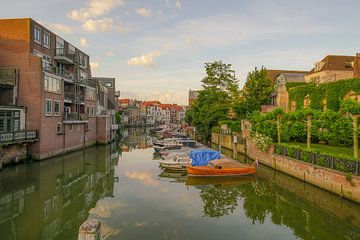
19,136
340,164
70,96
62,52
8,75
65,74
75,117
91,83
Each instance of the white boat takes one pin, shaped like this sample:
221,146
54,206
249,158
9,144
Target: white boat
177,163
169,145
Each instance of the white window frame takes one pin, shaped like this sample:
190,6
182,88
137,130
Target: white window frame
47,40
71,127
37,31
57,113
48,113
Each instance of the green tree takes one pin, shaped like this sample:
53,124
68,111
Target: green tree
257,90
214,101
353,108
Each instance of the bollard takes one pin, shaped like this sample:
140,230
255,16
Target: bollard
90,230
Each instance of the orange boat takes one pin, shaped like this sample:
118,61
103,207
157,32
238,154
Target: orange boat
221,167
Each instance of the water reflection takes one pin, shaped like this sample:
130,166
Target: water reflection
50,199
135,138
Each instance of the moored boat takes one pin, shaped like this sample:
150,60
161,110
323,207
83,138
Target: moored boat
221,167
178,163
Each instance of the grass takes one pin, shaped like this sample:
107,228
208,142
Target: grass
338,152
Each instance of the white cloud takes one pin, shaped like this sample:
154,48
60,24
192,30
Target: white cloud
59,28
145,59
144,12
84,42
94,66
94,8
102,25
178,4
109,53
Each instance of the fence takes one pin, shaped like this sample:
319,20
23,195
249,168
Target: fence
340,164
20,136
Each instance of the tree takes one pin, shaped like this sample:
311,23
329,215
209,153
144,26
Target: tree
278,113
353,108
214,101
257,89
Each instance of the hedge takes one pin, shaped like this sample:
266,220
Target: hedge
333,93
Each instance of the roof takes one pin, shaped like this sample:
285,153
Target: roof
335,62
124,101
273,74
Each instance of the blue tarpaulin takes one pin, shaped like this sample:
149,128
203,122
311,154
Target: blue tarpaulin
203,157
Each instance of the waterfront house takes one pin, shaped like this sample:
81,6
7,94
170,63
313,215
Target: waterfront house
331,68
54,85
15,134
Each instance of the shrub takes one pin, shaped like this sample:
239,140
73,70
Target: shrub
262,142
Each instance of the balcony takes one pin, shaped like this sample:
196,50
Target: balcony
64,56
70,96
91,83
80,98
19,137
75,117
66,75
82,80
8,77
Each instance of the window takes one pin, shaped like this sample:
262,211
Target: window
47,39
48,107
86,127
52,84
90,94
37,35
46,63
59,128
9,121
108,84
70,127
56,108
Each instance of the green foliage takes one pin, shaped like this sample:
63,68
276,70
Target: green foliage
235,126
214,102
257,90
333,93
327,127
293,84
215,129
350,106
117,118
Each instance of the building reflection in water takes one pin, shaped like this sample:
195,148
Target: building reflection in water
50,199
136,138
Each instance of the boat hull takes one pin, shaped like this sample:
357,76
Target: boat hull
210,171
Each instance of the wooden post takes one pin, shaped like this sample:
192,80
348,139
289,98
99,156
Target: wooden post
90,230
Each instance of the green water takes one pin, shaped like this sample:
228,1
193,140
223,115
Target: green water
122,185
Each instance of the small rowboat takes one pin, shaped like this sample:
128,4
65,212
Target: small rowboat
221,167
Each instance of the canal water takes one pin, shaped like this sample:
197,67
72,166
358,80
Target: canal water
122,185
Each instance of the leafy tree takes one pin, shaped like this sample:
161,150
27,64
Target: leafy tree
213,103
257,89
353,108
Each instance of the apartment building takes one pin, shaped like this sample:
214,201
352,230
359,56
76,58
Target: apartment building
54,86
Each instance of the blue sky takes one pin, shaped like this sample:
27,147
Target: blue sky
156,49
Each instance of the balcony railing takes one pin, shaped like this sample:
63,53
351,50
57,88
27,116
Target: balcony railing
91,83
76,117
19,136
70,96
64,56
8,75
66,74
82,80
80,98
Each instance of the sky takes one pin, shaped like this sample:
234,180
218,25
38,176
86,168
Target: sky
156,49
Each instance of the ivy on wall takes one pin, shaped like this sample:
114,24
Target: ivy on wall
333,93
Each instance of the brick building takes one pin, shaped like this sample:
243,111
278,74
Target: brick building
54,86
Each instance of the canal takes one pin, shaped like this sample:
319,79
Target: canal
122,185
